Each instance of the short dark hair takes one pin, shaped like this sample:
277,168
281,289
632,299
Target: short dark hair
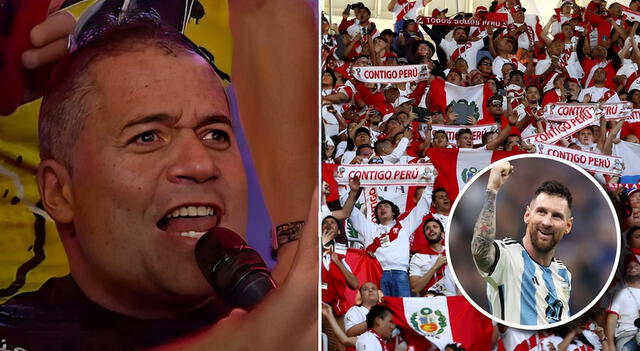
394,209
331,217
531,86
432,219
516,72
333,76
437,190
509,64
377,146
485,137
377,311
64,107
366,9
362,130
630,232
553,187
440,131
463,131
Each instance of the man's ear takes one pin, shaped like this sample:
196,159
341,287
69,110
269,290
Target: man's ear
526,215
54,182
569,225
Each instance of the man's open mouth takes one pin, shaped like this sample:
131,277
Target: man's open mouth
190,221
545,232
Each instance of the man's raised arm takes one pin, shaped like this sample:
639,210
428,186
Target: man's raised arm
484,232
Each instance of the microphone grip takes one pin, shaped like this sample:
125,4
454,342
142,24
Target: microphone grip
235,271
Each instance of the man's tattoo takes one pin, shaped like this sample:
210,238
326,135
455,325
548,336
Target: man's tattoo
286,233
484,233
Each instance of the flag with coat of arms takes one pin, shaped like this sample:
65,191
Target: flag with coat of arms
433,322
456,166
441,94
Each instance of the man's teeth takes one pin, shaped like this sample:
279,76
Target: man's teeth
192,211
192,234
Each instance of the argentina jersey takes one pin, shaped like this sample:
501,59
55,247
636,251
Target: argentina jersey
523,292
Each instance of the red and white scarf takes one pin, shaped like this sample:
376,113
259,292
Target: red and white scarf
390,236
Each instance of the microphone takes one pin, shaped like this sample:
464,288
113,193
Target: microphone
235,271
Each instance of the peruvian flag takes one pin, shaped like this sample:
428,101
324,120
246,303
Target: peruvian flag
328,171
443,93
430,323
629,14
457,166
630,152
363,266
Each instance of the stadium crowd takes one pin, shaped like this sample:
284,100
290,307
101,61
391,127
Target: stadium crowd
447,94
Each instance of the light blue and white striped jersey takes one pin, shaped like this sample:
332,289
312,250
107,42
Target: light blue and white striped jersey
523,292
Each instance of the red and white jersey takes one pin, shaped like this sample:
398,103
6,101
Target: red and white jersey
441,281
354,316
556,27
625,305
370,341
499,61
524,38
407,10
468,51
524,340
599,93
569,60
356,28
392,240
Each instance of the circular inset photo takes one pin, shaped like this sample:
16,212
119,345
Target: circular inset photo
533,241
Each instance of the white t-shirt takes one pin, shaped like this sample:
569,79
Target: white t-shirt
626,305
569,61
411,13
597,94
421,263
356,28
499,61
444,219
522,291
392,255
354,316
369,341
394,157
523,38
628,67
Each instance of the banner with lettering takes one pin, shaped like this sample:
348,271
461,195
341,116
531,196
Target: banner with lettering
379,175
463,23
635,116
590,161
476,131
568,127
391,74
561,112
